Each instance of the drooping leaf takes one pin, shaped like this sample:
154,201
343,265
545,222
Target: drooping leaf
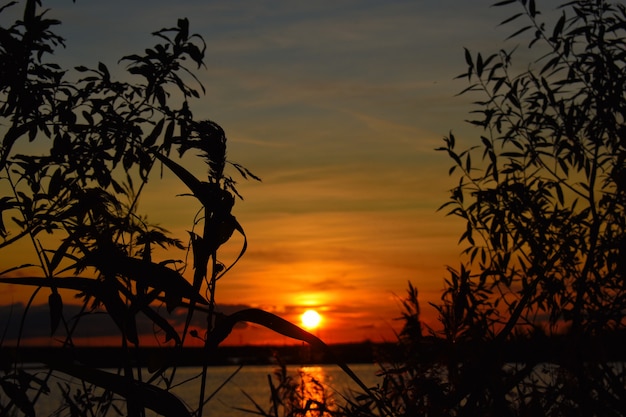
118,310
18,395
6,203
55,303
152,137
245,173
519,32
559,193
150,274
9,4
56,183
170,332
224,327
532,8
512,18
105,72
244,247
558,28
470,64
194,184
479,65
149,396
183,31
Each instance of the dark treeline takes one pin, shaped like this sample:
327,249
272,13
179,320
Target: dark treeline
110,357
562,349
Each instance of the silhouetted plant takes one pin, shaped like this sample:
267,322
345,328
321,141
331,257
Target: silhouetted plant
74,193
542,194
544,206
295,396
528,319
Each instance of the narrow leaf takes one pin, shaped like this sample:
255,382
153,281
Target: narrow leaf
510,19
522,30
59,254
123,317
194,184
152,137
559,193
55,303
19,397
479,65
279,325
468,58
149,396
532,9
104,70
244,247
148,273
170,332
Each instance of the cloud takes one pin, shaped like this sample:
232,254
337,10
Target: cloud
94,325
37,322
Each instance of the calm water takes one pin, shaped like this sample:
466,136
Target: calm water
253,380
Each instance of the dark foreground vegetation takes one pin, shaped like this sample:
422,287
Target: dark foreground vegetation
531,323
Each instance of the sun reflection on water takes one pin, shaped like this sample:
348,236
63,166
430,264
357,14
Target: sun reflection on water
317,399
305,394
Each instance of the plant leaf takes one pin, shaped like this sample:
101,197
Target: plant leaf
157,276
253,315
55,303
159,400
19,397
194,184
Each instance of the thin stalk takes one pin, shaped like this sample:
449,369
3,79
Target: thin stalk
211,312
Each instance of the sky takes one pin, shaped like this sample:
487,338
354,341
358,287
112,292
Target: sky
338,107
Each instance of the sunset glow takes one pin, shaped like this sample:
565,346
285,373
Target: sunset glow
311,319
339,114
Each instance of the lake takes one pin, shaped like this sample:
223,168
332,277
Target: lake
250,379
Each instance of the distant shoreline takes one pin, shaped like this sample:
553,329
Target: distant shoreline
557,349
109,357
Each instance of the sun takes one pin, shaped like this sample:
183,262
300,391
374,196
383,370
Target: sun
311,319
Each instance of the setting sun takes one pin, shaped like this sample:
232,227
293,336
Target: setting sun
311,319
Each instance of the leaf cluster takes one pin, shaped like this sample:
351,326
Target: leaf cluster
541,192
77,149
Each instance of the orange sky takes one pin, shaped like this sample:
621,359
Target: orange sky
338,107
